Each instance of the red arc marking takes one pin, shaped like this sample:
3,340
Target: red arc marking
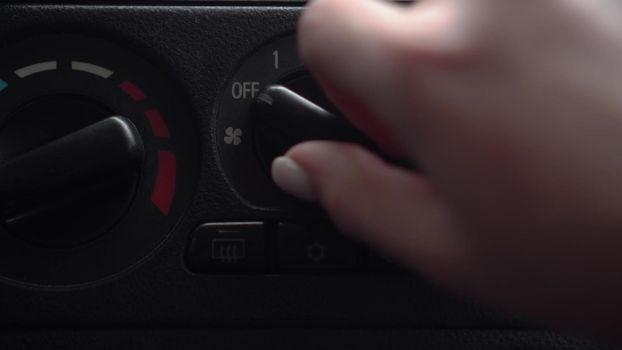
158,125
133,91
164,190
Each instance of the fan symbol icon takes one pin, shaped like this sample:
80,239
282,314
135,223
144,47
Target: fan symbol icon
233,136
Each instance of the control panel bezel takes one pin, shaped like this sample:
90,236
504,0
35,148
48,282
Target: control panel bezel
200,46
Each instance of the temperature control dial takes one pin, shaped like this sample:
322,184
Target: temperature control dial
76,185
98,159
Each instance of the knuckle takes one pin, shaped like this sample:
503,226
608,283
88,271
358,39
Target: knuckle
446,32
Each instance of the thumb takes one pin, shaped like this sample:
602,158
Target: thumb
385,206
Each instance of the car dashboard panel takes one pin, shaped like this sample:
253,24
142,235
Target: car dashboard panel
138,210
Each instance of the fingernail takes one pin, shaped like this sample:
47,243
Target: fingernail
291,178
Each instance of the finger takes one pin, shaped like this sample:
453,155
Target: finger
385,206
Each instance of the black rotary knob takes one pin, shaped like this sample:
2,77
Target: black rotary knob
294,111
301,118
68,170
98,159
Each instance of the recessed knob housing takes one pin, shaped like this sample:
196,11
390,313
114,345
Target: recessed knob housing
98,159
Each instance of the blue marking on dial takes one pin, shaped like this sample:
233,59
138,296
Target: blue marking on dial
3,84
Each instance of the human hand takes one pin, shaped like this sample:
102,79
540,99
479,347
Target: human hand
513,111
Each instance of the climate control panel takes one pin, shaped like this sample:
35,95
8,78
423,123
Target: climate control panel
135,145
136,204
99,157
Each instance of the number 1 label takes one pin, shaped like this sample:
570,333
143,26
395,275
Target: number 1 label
275,53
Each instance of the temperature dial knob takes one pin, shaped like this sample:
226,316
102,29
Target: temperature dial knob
78,184
98,159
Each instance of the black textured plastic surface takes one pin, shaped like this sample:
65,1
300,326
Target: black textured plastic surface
295,339
201,46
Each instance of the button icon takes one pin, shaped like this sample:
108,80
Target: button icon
316,252
233,136
228,251
313,246
227,247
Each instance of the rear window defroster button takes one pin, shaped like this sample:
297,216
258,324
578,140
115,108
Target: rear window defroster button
236,247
